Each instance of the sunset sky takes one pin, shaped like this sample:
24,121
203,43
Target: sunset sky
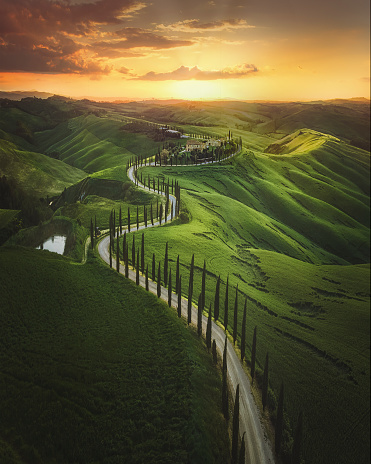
254,49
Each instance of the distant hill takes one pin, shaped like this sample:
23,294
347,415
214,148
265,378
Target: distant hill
18,95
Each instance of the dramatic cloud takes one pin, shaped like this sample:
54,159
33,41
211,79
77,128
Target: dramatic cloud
184,73
195,25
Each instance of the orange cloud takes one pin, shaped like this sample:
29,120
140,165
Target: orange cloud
195,25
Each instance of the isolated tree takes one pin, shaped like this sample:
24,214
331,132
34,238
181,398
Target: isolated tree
177,276
217,299
159,280
133,253
235,316
243,331
241,459
226,304
236,426
180,297
225,400
190,289
298,439
153,268
208,330
199,315
129,219
166,263
137,269
91,233
279,422
147,286
253,355
265,382
117,252
142,255
213,350
169,292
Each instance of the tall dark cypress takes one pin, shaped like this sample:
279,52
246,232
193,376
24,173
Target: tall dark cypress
265,382
236,426
225,406
120,220
110,251
161,212
235,316
208,330
190,290
169,289
217,299
177,276
127,260
151,214
279,422
117,251
166,263
243,332
215,356
137,217
124,247
137,270
153,268
142,255
226,305
199,315
133,253
147,285
241,459
145,216
298,439
159,280
180,297
253,355
129,219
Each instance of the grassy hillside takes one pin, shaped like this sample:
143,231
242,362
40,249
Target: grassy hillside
292,230
94,369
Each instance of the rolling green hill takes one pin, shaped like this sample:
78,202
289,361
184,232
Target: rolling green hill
95,369
292,230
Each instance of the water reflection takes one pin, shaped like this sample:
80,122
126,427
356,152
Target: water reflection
55,244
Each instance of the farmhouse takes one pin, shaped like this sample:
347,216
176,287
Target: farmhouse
195,145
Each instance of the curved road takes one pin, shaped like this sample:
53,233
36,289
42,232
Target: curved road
258,448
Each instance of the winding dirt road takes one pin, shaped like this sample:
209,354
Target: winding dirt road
258,447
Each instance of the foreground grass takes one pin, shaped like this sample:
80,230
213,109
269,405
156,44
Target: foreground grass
94,369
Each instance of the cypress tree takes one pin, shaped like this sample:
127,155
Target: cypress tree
110,251
137,217
236,426
265,382
298,438
241,459
129,219
159,280
235,316
208,330
169,292
95,226
124,247
153,268
137,270
177,276
215,357
226,305
190,290
117,252
133,253
91,233
166,262
180,297
120,220
225,406
145,216
127,260
142,256
279,422
217,299
157,209
243,332
199,315
151,214
147,286
161,212
253,355
203,286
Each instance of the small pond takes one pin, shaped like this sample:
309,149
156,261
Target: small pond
55,244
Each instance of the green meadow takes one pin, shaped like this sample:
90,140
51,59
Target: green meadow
292,231
287,220
94,369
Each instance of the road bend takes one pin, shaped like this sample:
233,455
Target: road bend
258,447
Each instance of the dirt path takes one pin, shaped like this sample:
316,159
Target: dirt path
258,448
